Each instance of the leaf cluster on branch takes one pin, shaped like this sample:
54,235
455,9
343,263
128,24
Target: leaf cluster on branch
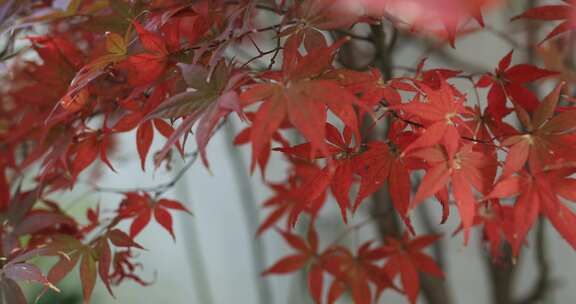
103,68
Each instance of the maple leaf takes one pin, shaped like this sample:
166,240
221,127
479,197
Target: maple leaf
119,239
552,54
310,37
406,260
307,252
145,68
61,59
559,12
466,169
436,16
145,127
497,222
93,217
508,82
301,96
15,269
25,220
94,259
338,174
433,78
539,193
244,138
141,207
191,26
125,268
213,98
108,67
71,251
91,145
483,127
379,164
355,272
329,14
76,95
547,138
287,199
73,103
374,89
144,137
440,115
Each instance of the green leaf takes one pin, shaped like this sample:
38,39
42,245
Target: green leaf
115,44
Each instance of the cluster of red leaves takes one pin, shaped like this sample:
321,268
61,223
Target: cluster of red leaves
565,12
162,66
142,207
456,145
356,272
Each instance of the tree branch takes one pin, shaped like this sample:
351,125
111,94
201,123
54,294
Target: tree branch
434,290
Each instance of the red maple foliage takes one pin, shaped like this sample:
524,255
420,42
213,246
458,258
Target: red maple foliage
104,68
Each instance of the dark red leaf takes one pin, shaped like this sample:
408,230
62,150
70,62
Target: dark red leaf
144,138
288,264
164,218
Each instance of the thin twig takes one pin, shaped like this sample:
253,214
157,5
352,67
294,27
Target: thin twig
157,190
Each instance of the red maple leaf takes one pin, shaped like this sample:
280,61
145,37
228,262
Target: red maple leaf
540,193
244,138
136,118
379,164
300,95
306,254
146,67
141,207
406,260
497,224
213,98
559,12
355,272
95,259
466,169
338,173
548,138
287,199
440,117
443,17
90,145
508,82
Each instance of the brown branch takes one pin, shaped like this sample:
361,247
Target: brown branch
501,277
383,52
543,284
158,189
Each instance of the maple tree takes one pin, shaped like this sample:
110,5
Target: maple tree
364,135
